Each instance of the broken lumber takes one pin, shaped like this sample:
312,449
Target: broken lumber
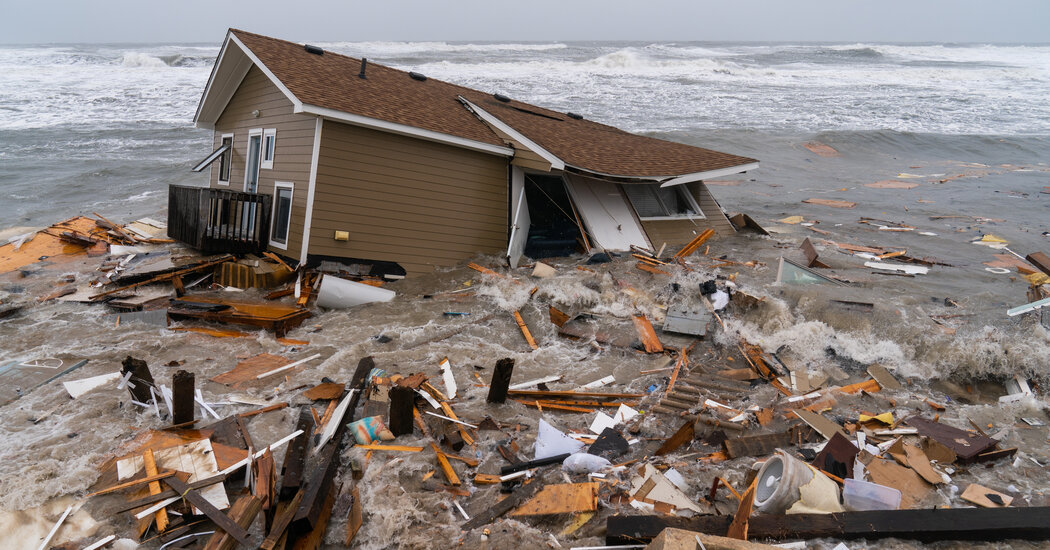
213,513
525,330
182,397
502,507
694,244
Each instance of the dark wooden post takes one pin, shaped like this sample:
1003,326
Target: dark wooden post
500,381
182,397
402,401
140,378
295,455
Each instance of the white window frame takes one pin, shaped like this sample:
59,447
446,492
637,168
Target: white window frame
247,158
229,161
682,190
273,216
267,164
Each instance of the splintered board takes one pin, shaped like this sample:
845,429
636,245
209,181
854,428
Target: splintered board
561,499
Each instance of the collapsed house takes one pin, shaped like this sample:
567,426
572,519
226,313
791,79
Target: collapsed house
319,156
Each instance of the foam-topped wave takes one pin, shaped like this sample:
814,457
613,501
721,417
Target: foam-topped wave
139,59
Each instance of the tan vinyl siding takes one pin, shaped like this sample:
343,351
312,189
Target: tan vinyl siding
292,152
417,203
676,232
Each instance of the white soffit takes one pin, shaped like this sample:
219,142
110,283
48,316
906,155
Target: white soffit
403,129
555,162
697,176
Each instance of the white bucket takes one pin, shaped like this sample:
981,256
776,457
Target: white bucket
788,485
336,293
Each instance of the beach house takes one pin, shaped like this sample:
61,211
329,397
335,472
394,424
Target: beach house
318,155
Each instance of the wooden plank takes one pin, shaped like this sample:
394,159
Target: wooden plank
134,483
1040,260
150,465
542,393
378,447
243,513
924,525
327,390
213,513
650,269
883,376
521,494
695,243
966,445
402,403
831,202
648,336
820,423
282,522
738,527
983,496
811,255
355,518
562,498
315,537
683,435
446,468
525,330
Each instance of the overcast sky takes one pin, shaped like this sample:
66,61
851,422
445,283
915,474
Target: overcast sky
49,21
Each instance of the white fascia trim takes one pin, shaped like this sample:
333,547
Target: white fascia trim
273,78
311,188
555,162
697,176
403,129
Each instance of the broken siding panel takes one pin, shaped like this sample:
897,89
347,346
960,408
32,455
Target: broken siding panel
406,200
294,147
675,232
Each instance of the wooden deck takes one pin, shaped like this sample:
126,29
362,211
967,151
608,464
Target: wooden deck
218,220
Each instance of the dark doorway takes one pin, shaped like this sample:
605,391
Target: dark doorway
553,231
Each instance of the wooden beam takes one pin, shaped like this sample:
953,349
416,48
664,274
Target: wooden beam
243,513
925,525
182,397
295,455
520,495
681,437
281,522
402,403
500,381
213,513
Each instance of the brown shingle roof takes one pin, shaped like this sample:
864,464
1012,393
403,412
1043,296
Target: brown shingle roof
331,81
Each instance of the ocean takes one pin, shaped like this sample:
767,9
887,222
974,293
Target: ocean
107,127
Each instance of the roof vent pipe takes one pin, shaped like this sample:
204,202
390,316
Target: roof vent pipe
575,116
418,76
313,49
501,97
364,65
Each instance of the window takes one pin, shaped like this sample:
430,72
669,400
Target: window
282,214
653,202
224,160
269,147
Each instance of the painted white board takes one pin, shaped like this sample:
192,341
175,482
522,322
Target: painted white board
609,219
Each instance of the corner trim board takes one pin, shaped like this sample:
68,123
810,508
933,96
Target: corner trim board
310,191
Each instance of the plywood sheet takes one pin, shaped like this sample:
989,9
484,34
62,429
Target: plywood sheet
195,458
561,499
892,184
244,373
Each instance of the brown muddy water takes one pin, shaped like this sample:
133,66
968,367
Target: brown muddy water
45,466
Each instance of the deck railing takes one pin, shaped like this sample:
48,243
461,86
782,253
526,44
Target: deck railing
218,220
